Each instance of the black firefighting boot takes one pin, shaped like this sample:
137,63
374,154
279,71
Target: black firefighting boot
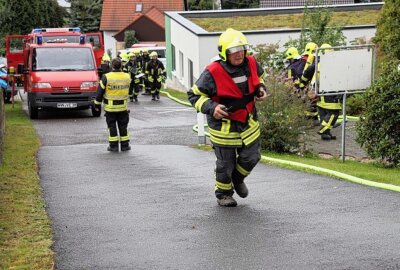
241,189
227,201
157,95
125,146
333,137
153,97
113,147
325,136
135,98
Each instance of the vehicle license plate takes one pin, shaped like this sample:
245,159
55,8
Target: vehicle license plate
66,105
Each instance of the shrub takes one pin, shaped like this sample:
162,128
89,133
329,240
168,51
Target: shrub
268,55
388,31
281,117
379,129
355,105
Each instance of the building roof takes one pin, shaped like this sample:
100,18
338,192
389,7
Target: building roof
117,14
154,15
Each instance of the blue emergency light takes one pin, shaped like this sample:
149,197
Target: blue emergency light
72,29
75,29
39,40
82,39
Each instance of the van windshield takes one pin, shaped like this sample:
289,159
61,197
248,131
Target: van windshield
62,59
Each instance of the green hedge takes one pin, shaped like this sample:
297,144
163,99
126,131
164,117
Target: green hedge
2,124
379,128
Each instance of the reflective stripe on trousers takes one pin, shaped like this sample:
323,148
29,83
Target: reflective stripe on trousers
233,165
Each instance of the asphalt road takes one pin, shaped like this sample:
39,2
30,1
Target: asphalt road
154,207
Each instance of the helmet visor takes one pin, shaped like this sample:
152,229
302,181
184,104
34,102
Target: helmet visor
237,49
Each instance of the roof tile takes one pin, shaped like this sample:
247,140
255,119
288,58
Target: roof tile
117,14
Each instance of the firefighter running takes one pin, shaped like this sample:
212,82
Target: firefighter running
226,92
113,90
156,74
131,68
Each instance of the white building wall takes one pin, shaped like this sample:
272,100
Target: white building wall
110,42
201,46
186,45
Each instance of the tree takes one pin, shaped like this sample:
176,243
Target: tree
130,38
316,27
86,14
201,4
237,4
388,31
22,16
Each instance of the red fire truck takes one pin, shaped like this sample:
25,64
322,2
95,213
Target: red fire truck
15,43
56,71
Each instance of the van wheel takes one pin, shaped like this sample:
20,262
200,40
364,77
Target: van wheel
33,111
95,113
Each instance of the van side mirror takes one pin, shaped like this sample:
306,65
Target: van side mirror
20,69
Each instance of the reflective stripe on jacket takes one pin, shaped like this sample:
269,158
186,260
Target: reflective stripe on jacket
223,136
116,91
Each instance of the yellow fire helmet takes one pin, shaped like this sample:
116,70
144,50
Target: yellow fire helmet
231,41
291,53
327,47
136,51
106,57
131,55
124,57
310,48
152,54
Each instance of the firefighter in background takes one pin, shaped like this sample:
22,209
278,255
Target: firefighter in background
307,59
293,61
124,58
139,69
302,82
226,92
130,68
145,61
105,63
156,75
113,90
329,107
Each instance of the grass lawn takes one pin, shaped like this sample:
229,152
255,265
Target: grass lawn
283,21
368,171
25,233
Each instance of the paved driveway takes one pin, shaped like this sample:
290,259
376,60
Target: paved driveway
154,208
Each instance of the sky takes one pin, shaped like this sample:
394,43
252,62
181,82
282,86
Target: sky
63,3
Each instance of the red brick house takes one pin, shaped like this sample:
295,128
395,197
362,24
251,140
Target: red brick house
145,17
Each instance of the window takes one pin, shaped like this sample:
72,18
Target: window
190,70
139,7
181,65
16,45
62,58
173,57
